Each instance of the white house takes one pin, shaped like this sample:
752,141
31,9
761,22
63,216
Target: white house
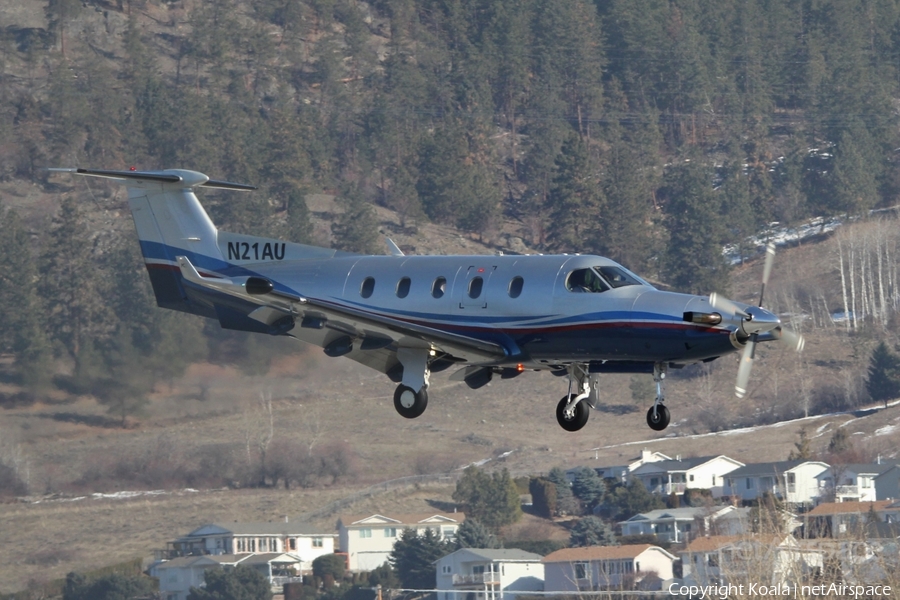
764,559
680,525
887,484
478,574
177,576
300,539
606,567
620,472
793,481
368,540
854,482
836,519
675,476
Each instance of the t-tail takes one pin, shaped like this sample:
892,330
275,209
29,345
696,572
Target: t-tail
171,222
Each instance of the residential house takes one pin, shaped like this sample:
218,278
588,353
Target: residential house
607,567
871,555
368,540
765,559
299,539
678,525
887,484
796,482
619,473
675,476
853,482
838,519
177,576
479,574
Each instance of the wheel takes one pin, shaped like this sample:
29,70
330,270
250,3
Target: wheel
660,420
409,403
577,420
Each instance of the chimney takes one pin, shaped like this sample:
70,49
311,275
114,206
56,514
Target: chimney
678,457
286,520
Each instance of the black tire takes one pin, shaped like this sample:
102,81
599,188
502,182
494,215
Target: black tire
660,420
578,420
409,403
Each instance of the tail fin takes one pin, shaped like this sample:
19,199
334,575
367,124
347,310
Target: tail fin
170,222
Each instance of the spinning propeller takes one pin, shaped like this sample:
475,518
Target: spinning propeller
754,321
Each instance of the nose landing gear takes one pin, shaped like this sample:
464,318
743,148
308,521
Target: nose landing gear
658,415
573,410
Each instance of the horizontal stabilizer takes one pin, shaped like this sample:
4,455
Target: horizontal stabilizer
189,178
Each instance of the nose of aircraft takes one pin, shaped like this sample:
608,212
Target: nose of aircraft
758,320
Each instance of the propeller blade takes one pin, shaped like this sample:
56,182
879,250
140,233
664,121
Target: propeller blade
767,270
791,339
743,376
725,305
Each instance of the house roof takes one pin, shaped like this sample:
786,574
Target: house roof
771,468
844,508
498,554
600,553
206,559
264,528
714,542
888,469
685,464
860,468
661,514
435,518
271,558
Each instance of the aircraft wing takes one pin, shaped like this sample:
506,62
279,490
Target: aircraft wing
362,335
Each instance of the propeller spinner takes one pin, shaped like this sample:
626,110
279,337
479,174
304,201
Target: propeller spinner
755,321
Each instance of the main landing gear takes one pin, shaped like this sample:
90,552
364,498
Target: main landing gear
573,409
658,415
411,396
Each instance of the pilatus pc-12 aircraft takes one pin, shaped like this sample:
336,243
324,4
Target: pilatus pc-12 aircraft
411,316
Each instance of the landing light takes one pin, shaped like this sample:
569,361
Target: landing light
702,318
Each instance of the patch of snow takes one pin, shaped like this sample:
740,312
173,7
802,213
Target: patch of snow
886,430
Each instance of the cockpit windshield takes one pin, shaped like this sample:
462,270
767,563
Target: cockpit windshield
617,277
599,279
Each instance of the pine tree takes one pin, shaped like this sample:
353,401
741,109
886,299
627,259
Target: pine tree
883,383
356,229
592,531
576,203
472,534
694,261
413,558
239,583
588,486
802,449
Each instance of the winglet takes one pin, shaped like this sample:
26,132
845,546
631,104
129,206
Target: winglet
394,249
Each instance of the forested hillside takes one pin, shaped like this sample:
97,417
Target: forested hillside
653,132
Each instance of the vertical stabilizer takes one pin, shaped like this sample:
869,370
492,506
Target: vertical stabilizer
171,222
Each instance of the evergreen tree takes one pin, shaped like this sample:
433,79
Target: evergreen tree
839,441
543,497
631,499
883,383
239,583
472,534
493,499
802,449
694,262
70,285
356,229
114,586
20,330
592,531
566,503
588,486
576,203
413,556
332,565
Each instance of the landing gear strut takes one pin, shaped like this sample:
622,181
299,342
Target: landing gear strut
658,415
573,410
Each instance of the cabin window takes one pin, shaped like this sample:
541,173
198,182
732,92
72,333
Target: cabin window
367,287
585,280
439,287
475,286
515,287
403,288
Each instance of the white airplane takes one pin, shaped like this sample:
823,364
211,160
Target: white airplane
411,316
